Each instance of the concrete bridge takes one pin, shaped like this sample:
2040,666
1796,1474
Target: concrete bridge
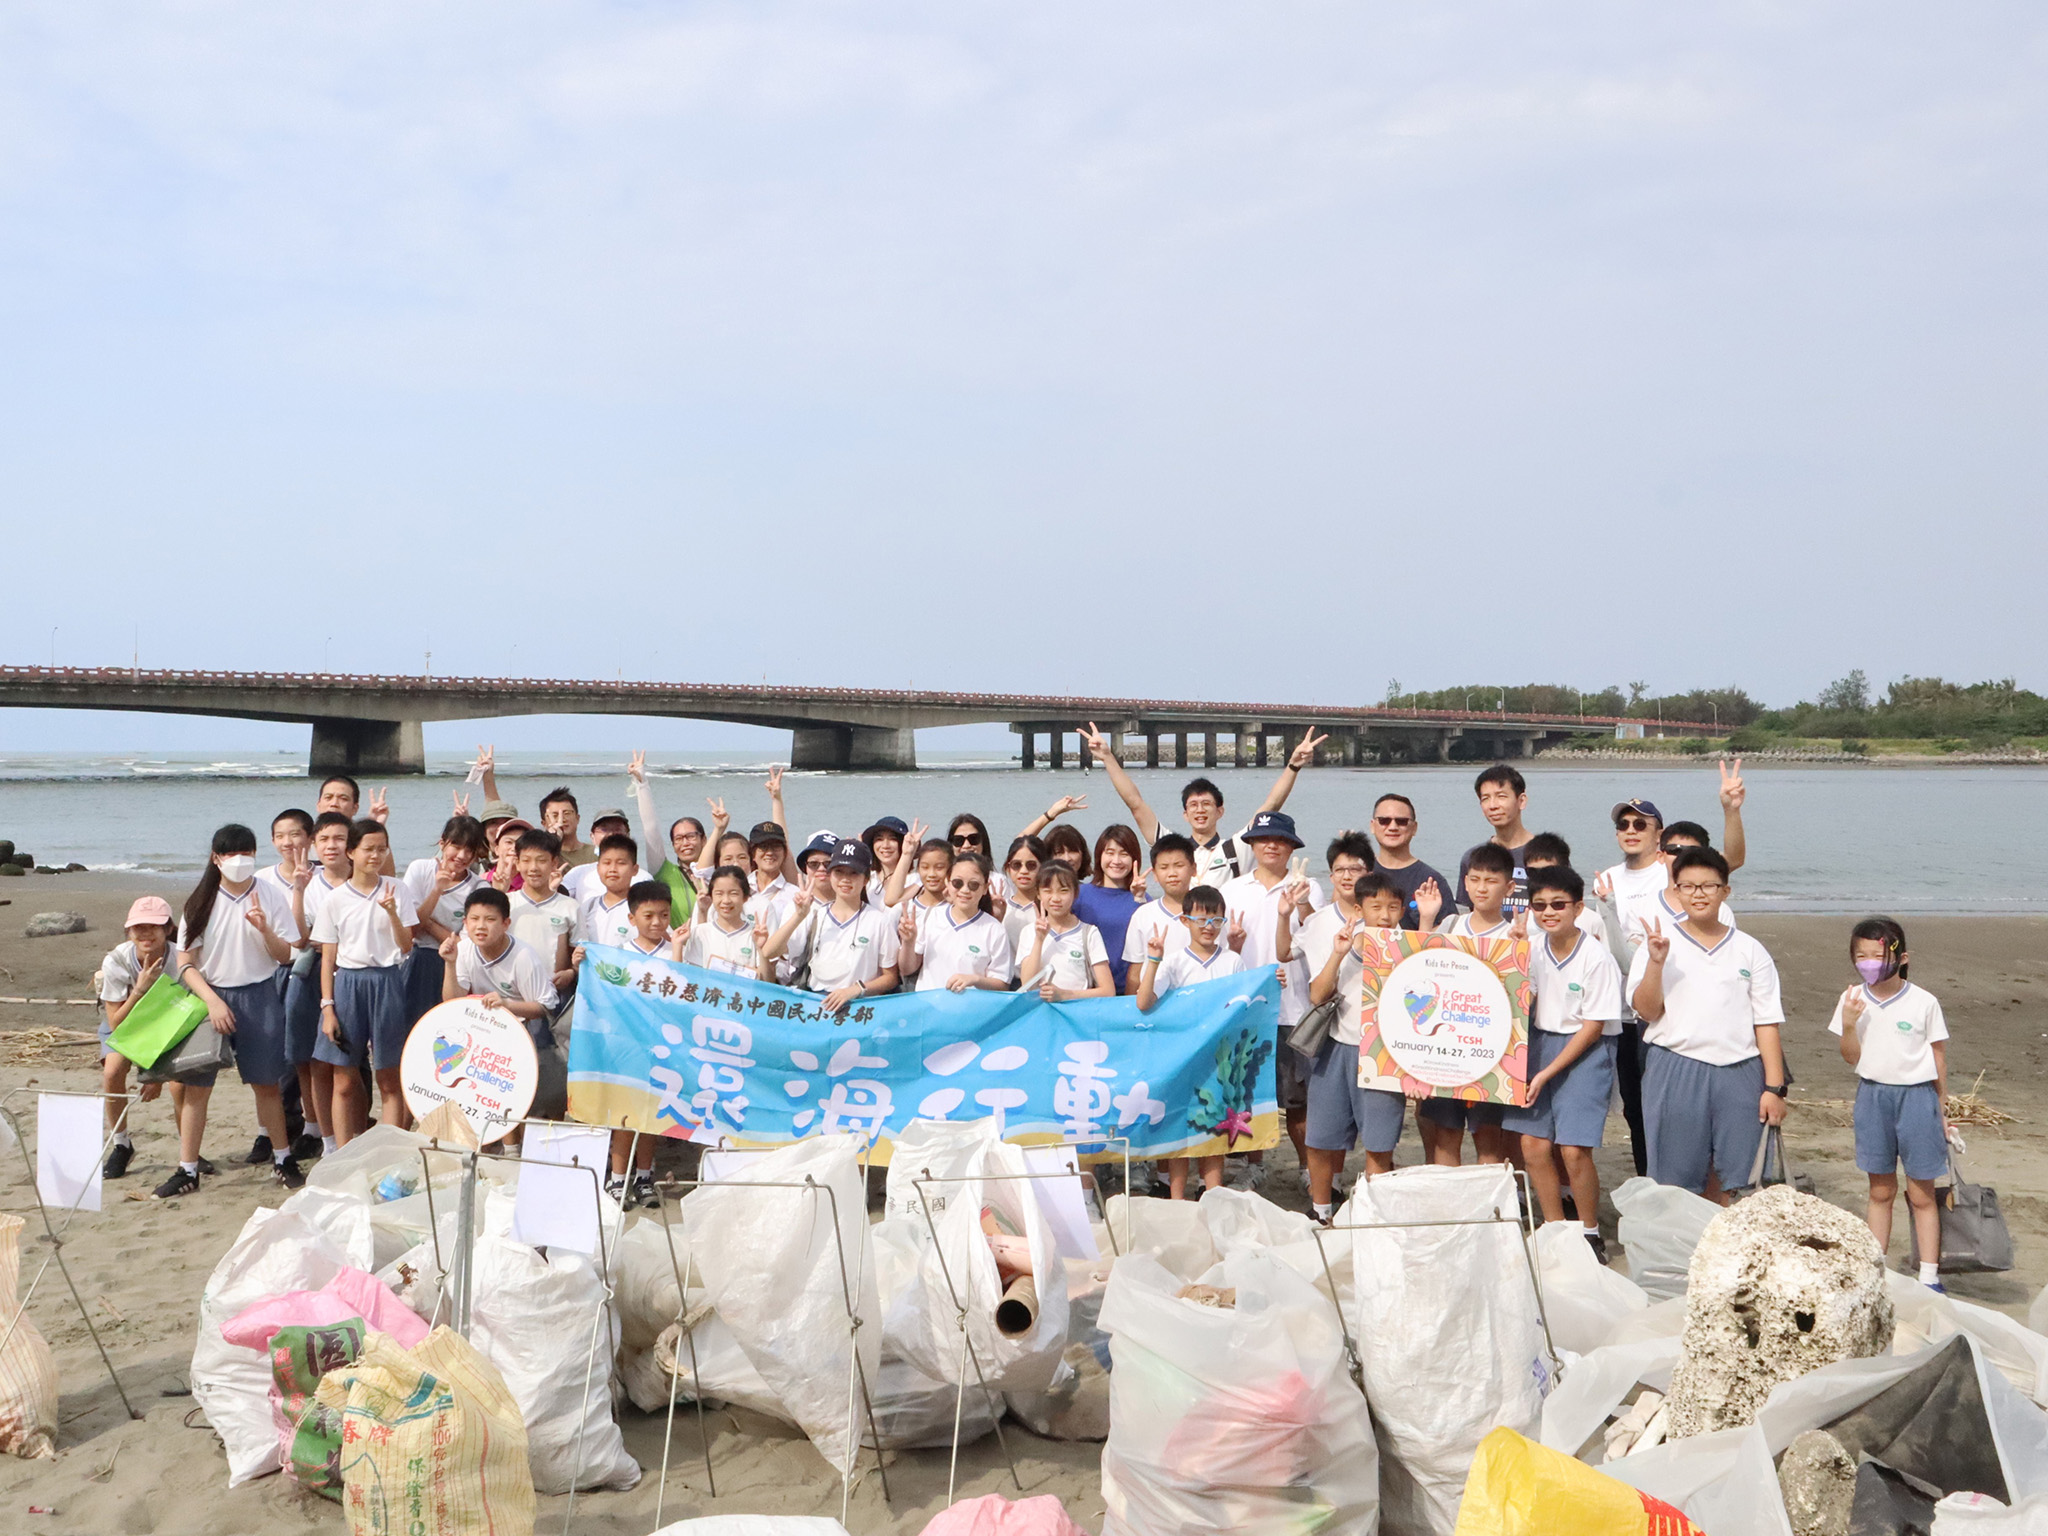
371,724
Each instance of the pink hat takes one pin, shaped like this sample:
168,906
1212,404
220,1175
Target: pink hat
148,909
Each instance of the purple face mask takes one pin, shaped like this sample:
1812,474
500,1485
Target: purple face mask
1874,971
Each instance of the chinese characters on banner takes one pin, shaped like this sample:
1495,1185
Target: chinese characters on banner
1448,1014
722,1059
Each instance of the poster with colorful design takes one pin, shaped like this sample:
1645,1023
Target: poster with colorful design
724,1060
1446,1015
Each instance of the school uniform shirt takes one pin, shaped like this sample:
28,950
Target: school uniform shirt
1592,925
231,951
1646,895
774,899
1018,919
977,947
538,924
1315,939
1464,925
359,928
711,948
1585,985
1258,909
1714,999
280,887
1073,955
418,880
582,884
1219,861
1152,919
518,974
121,966
601,920
844,954
1898,1036
1183,968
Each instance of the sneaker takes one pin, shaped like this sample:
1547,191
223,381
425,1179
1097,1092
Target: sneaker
207,1170
1937,1287
288,1173
308,1147
615,1186
643,1189
117,1161
1598,1244
260,1153
179,1183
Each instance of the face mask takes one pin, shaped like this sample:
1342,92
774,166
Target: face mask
237,867
1874,971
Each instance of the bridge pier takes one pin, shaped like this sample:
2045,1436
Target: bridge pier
855,748
367,746
1208,749
1027,756
1151,749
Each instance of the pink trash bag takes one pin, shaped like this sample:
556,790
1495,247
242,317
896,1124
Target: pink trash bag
994,1515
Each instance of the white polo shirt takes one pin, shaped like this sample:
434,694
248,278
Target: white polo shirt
1466,925
1635,890
281,888
1150,919
118,972
359,928
1183,969
231,952
1666,913
318,890
518,974
1898,1036
1585,985
711,948
1314,940
1714,999
848,954
582,882
418,880
977,947
1212,861
539,924
1258,908
1073,955
601,920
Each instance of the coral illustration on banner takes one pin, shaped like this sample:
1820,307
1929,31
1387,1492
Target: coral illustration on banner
1444,1017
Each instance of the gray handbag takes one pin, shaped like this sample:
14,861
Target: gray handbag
1772,1167
1974,1238
205,1049
1314,1027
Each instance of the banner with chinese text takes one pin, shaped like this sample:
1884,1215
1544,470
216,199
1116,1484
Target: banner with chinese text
1447,1014
718,1058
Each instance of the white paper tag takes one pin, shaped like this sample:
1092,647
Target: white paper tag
69,1134
1062,1202
558,1207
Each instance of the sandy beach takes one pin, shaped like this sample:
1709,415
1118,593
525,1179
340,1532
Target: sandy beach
141,1264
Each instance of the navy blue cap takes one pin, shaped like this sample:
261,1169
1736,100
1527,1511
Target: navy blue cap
1272,824
822,842
894,824
1641,808
851,855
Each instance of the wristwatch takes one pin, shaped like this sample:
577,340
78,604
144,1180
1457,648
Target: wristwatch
1779,1090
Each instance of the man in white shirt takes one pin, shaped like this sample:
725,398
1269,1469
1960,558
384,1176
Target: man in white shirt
1714,1074
1265,903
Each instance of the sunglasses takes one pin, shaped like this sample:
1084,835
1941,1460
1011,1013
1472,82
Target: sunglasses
1393,821
966,840
1022,866
1550,906
965,885
1634,824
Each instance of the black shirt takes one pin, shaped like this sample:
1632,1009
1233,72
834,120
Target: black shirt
1410,878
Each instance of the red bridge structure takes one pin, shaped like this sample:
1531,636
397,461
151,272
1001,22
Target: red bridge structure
371,724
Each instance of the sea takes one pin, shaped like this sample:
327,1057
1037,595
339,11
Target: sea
1855,839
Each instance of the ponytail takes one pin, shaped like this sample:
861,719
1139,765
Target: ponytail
232,838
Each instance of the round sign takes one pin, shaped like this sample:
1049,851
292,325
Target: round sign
1445,1018
479,1059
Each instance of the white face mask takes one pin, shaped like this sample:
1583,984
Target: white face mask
237,867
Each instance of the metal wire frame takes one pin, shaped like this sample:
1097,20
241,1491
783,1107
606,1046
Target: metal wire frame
1520,1221
53,1235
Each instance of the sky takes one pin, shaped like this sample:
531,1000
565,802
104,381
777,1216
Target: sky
1180,350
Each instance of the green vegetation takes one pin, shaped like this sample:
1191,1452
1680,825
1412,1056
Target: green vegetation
1917,715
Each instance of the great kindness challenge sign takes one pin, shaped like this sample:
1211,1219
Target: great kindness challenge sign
1446,1015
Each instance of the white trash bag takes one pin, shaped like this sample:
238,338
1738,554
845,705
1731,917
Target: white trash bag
1241,1419
1582,1298
277,1251
1977,1514
1447,1329
1659,1228
1171,1231
771,1261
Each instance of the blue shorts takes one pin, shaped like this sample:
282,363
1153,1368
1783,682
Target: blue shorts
301,1017
1456,1115
1341,1114
1900,1123
422,982
1700,1118
371,1006
1572,1111
259,1031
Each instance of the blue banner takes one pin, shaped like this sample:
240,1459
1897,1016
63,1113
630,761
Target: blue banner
715,1057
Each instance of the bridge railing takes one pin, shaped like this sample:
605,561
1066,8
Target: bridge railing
1073,708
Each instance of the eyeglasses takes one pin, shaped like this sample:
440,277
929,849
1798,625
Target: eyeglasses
966,839
965,885
1634,824
1205,922
1550,906
1699,890
1393,821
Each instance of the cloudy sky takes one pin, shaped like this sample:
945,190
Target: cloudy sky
1241,351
